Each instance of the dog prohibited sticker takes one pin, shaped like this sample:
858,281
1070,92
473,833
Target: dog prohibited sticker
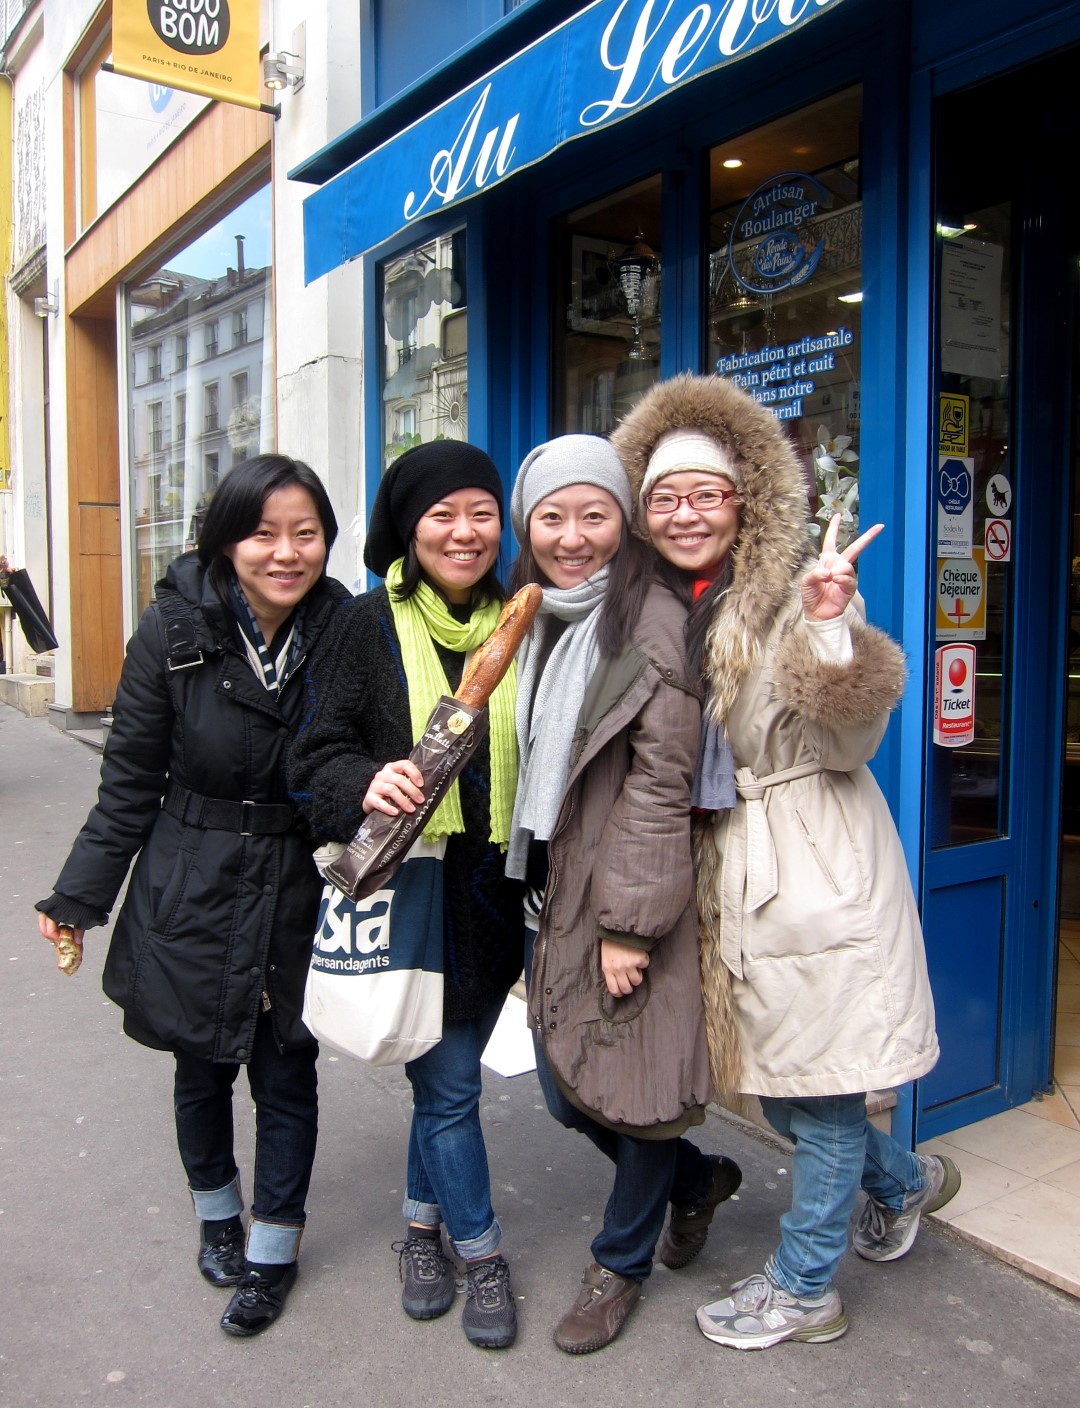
998,495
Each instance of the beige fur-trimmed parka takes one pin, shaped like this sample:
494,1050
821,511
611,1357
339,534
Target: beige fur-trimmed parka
813,966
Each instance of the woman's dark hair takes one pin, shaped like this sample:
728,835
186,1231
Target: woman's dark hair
236,509
488,588
634,568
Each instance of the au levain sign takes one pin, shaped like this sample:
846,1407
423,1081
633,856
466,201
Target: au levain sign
606,62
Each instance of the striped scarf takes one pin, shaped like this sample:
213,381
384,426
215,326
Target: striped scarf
272,670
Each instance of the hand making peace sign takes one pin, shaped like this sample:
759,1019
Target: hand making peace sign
830,583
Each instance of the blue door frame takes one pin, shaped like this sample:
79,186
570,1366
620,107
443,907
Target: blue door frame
989,906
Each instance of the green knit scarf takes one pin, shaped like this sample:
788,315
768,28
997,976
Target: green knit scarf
420,619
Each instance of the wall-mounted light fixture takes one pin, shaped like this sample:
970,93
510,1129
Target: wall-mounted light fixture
286,69
47,305
282,71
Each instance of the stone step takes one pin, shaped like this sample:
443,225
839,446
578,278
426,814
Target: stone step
30,694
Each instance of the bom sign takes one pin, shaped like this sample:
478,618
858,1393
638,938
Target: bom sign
203,46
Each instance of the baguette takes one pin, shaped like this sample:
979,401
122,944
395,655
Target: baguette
491,660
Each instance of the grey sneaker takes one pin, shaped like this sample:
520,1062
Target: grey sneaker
883,1235
429,1280
490,1317
758,1314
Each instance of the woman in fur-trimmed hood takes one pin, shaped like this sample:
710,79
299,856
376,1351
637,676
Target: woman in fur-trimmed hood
813,966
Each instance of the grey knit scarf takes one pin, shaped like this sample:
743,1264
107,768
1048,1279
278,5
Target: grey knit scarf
555,665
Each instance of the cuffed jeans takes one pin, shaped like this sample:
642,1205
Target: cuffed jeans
648,1173
837,1149
448,1179
284,1087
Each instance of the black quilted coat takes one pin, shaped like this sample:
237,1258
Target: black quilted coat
215,923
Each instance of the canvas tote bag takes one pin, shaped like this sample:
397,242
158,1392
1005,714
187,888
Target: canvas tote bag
375,984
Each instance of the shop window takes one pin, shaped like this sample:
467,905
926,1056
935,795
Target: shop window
607,347
199,289
124,124
784,287
425,345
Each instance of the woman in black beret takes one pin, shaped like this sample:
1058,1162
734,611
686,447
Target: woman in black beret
389,656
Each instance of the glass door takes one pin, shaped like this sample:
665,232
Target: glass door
999,491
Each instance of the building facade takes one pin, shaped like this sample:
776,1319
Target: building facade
500,222
856,210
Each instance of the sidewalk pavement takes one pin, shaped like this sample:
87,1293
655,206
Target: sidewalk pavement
102,1303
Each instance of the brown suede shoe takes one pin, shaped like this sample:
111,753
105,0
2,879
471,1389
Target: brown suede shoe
597,1316
685,1234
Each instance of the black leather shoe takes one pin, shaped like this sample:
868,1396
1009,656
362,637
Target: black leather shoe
222,1261
257,1303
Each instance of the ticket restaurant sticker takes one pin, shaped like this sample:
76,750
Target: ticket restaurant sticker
954,695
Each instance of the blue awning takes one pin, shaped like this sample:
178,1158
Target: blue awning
605,63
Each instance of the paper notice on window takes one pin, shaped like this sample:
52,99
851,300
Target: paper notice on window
971,308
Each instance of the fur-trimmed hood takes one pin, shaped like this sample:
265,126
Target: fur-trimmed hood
773,542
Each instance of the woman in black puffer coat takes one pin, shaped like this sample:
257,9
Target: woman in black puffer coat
210,950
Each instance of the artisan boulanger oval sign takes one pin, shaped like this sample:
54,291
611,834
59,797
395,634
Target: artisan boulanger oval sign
190,26
772,244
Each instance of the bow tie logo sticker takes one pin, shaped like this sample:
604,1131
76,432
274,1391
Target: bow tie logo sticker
955,487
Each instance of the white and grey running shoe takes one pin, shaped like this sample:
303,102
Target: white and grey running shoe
883,1235
758,1314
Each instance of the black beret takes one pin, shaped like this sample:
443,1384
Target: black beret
419,478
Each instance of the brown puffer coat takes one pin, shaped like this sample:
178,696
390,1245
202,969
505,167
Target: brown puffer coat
810,933
621,867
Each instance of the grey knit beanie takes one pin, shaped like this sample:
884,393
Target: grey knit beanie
569,459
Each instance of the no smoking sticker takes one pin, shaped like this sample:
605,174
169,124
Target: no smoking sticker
998,540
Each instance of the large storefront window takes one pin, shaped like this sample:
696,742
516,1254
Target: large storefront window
425,371
124,126
608,300
784,285
200,381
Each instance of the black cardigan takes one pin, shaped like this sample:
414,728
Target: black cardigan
356,719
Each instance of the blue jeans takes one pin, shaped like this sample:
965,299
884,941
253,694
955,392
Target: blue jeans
448,1179
284,1087
837,1149
648,1172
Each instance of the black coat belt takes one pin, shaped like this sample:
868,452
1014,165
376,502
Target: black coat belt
221,814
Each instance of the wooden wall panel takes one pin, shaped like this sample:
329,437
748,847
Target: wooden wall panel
224,146
93,450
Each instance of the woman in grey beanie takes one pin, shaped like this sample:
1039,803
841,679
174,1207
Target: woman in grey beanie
608,723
